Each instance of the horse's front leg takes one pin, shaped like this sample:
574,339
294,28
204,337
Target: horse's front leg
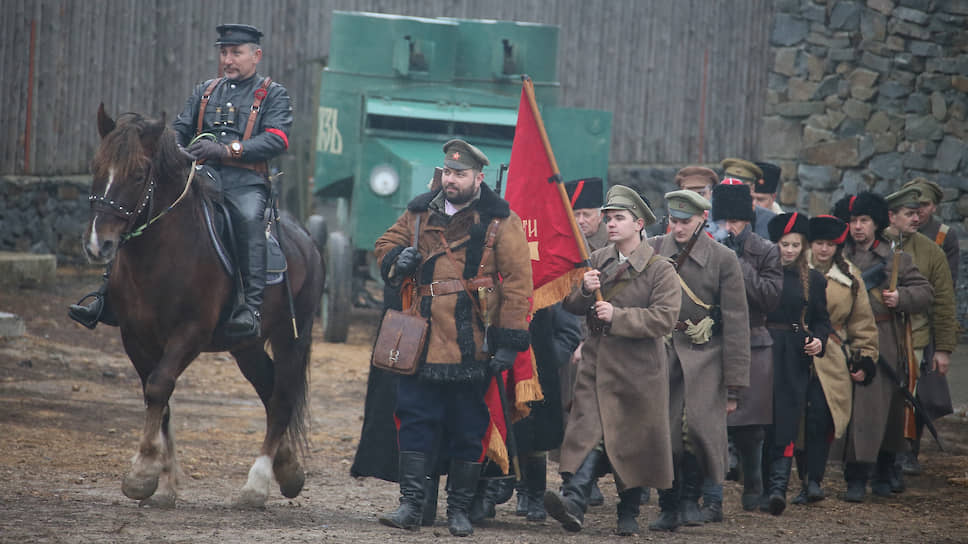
156,454
166,493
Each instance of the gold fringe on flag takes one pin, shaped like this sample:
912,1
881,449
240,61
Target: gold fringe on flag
497,451
527,391
558,288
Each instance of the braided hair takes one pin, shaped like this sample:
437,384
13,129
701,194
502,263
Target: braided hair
844,267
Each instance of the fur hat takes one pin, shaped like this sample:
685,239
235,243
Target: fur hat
787,223
732,200
585,193
770,180
865,203
828,227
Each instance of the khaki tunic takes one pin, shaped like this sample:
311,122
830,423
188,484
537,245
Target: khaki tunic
877,420
939,321
701,374
853,324
622,390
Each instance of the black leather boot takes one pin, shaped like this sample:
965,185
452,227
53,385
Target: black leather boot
412,477
779,479
431,487
568,507
749,444
856,475
98,310
628,510
536,480
481,506
521,509
668,519
690,491
595,498
646,495
886,479
462,482
247,207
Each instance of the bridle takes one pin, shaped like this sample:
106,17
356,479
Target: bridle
131,214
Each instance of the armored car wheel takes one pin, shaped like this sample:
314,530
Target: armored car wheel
338,294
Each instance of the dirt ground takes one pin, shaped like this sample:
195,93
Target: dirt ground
71,415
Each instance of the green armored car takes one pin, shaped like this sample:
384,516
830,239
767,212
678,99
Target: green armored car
394,90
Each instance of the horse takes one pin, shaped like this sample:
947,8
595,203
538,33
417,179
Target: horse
169,292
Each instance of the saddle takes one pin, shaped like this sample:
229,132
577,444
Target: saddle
219,228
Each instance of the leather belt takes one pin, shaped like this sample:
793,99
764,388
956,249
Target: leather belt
449,287
880,318
794,327
259,167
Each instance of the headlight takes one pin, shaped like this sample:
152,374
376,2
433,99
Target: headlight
384,180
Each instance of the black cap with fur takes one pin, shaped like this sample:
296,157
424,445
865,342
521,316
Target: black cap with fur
827,227
770,180
866,203
785,223
732,202
590,195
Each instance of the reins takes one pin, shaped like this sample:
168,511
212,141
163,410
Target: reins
141,229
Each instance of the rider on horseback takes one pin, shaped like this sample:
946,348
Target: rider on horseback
234,124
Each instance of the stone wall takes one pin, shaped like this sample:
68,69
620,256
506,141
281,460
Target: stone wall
44,215
868,95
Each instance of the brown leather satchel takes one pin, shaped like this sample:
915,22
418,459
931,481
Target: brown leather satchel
402,337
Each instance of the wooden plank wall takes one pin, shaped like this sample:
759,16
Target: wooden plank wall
641,59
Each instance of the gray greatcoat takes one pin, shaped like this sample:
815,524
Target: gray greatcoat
763,278
701,374
877,421
622,390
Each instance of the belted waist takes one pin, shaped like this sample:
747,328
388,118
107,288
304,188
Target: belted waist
837,336
793,327
259,167
449,287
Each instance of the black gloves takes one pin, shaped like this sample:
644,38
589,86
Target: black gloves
206,149
407,262
185,154
503,360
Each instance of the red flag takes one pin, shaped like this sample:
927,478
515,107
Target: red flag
547,220
538,198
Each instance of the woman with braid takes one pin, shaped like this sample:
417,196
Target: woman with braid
799,327
850,359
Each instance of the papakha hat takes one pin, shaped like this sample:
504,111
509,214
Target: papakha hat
732,200
770,179
865,203
585,193
787,223
827,227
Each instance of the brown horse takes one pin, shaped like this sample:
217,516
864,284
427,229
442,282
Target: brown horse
168,291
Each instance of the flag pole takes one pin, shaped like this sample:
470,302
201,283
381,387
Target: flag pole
556,175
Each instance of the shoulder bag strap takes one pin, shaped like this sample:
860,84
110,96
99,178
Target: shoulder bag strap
942,234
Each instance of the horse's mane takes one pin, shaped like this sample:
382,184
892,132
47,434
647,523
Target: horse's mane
123,150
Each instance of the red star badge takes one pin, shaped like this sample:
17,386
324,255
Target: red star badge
455,156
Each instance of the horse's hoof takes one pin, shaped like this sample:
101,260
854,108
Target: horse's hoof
160,500
139,488
291,485
250,498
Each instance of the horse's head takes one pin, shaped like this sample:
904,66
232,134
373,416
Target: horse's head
125,169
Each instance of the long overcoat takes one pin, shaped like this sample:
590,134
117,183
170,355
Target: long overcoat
702,373
950,245
791,366
877,421
455,339
622,390
853,326
763,277
938,323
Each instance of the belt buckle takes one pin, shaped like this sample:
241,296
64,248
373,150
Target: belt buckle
431,285
795,327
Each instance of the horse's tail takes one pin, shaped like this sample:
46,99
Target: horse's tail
306,301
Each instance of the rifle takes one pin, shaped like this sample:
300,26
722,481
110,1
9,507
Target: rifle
905,347
913,403
684,254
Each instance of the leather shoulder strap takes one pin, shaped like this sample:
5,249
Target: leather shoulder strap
488,245
205,96
260,94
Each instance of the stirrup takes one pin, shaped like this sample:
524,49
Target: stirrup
86,314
